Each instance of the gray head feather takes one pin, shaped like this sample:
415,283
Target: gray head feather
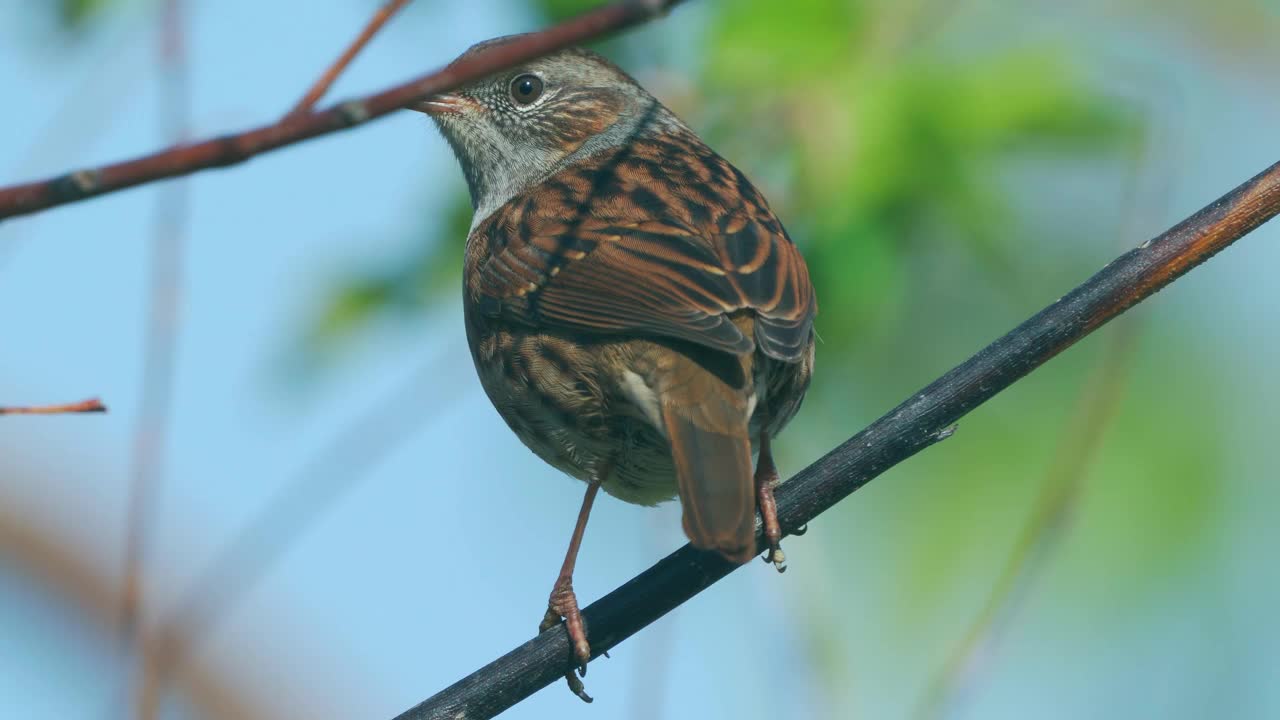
586,105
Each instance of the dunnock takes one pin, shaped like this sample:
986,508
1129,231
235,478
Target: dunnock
635,311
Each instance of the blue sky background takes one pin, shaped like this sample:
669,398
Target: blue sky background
441,557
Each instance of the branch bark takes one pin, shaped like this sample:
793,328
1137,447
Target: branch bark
236,148
923,419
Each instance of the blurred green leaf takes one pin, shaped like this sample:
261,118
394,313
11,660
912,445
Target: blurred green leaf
76,15
557,10
404,288
351,308
762,46
890,153
441,268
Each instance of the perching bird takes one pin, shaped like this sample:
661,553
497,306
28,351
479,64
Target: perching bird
635,311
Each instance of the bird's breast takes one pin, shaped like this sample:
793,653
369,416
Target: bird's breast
563,400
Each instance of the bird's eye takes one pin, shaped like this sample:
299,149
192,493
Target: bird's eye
525,89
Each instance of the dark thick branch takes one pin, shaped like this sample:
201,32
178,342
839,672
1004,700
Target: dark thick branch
922,420
231,149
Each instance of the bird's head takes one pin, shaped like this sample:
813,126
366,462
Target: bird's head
512,129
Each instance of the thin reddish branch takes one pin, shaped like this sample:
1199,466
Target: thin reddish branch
325,81
92,405
236,148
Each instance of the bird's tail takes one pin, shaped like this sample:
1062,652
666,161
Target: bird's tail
706,422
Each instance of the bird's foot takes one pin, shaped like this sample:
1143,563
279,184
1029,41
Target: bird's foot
766,478
772,531
563,605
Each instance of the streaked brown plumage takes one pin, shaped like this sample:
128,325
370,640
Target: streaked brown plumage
636,313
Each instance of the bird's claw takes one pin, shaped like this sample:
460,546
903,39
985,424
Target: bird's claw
563,605
777,558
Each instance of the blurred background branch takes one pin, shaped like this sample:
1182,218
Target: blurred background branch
159,351
319,485
283,520
64,571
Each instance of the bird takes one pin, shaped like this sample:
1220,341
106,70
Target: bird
635,311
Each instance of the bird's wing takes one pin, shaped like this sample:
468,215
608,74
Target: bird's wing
660,243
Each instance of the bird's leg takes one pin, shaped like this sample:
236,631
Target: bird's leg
766,479
563,604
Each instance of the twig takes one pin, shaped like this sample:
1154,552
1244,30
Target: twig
925,418
92,405
232,149
325,81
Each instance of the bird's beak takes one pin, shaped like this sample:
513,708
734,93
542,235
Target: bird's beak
442,104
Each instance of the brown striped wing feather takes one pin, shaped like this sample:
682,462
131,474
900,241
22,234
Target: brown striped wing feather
662,239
